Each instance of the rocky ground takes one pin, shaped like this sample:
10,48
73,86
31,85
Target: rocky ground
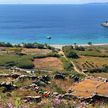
55,82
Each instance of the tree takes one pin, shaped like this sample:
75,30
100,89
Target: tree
71,54
75,45
90,43
3,44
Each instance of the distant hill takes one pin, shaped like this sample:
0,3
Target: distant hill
105,3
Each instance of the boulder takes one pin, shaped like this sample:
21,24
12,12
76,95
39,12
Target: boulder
107,80
59,76
8,86
45,78
15,76
39,83
75,78
67,96
55,94
24,77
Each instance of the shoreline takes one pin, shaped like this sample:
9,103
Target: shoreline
59,46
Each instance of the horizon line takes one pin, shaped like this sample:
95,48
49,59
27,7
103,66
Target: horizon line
52,3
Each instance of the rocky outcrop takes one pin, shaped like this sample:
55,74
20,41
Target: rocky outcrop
59,76
35,99
9,75
8,86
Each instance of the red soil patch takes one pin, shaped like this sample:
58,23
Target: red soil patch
103,89
88,87
49,63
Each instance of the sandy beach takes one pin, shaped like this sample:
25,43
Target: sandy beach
59,46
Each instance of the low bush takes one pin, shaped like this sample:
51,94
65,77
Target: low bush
10,64
8,60
67,48
25,64
104,68
69,52
33,45
39,56
66,64
53,54
3,44
56,88
76,74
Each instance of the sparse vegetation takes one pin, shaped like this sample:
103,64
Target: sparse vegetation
47,64
9,60
33,45
67,64
69,52
3,44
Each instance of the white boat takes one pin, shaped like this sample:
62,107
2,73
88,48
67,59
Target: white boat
105,24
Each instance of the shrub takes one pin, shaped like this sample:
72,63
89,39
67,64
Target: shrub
78,75
53,54
89,43
80,48
10,64
58,89
71,54
104,68
67,48
26,64
49,47
41,46
3,44
66,64
15,60
28,45
33,45
39,56
16,50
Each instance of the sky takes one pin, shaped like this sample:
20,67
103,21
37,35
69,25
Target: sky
50,1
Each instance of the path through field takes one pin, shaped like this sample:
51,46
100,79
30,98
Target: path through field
74,66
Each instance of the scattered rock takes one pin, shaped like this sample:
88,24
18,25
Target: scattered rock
55,94
46,94
15,76
67,96
8,86
23,77
75,78
36,99
10,75
44,78
28,71
107,80
39,83
59,76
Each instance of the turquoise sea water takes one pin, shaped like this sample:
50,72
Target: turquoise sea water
66,24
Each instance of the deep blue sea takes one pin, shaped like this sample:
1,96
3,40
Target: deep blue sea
66,24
